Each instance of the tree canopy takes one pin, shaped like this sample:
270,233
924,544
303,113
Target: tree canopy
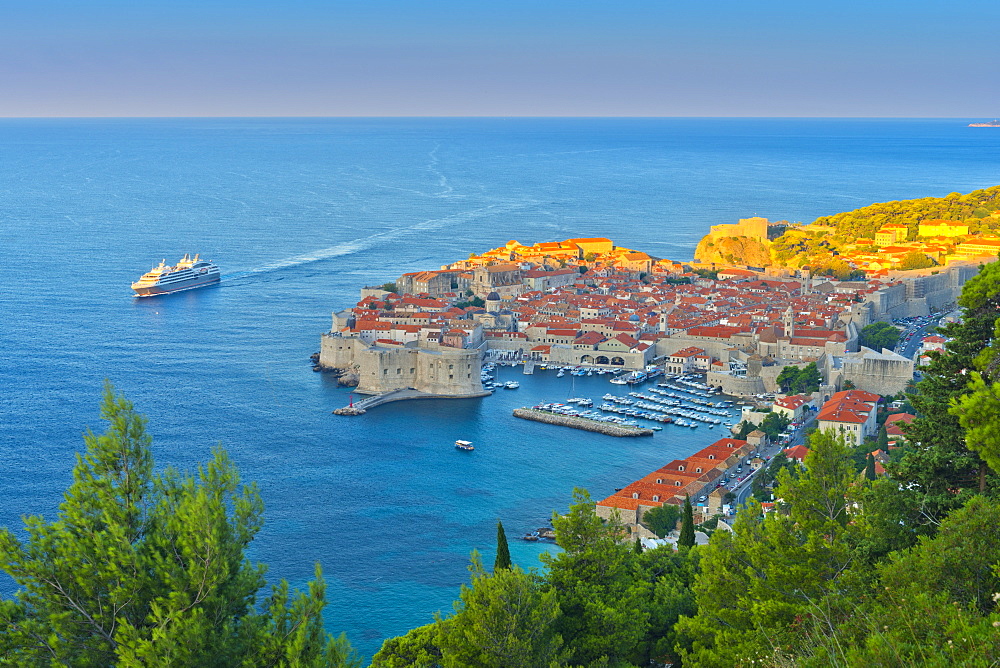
143,569
879,335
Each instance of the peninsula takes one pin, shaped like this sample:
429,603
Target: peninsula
792,295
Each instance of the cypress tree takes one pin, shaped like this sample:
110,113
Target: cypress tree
638,545
503,550
686,538
870,468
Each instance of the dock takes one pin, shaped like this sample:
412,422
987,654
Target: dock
403,394
529,368
581,423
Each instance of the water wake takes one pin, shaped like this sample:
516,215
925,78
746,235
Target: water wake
366,243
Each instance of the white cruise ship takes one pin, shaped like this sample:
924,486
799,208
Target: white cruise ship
185,275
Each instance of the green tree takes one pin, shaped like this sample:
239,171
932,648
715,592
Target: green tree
879,335
604,613
870,468
662,519
503,550
142,569
420,648
773,424
786,379
686,538
755,582
808,379
916,260
939,470
389,287
882,442
501,620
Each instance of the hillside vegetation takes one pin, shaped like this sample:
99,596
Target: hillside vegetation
973,208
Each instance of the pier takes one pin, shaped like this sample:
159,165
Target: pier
360,407
581,423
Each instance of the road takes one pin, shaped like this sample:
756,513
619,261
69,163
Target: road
909,338
743,490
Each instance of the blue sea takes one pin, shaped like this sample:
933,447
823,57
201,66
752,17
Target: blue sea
300,213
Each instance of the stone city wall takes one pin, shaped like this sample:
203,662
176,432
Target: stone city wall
433,369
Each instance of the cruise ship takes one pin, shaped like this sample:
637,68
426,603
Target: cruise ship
185,275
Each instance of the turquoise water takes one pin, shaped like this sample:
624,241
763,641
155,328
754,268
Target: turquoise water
299,214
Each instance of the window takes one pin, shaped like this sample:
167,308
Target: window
680,468
677,483
659,481
656,497
635,495
698,470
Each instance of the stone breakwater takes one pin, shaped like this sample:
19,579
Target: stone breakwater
581,423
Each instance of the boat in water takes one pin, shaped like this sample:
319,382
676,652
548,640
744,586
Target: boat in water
185,275
464,445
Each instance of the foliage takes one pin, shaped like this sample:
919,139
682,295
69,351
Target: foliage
939,470
979,414
773,424
916,260
686,538
420,648
758,579
768,476
879,335
389,287
662,519
501,620
604,615
864,222
960,560
793,380
477,302
503,550
144,569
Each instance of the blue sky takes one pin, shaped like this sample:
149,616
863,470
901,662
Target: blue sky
502,58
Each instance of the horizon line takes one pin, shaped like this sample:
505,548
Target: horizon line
479,116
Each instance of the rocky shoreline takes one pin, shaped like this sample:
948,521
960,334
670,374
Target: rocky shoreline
581,423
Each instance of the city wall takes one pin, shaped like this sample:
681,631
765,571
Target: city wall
431,369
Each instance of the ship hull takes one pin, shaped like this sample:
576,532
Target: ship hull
180,286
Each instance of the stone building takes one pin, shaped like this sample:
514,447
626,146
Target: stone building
884,373
385,365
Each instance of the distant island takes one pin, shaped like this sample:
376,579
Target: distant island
992,124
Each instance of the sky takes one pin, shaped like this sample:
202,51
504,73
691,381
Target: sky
752,58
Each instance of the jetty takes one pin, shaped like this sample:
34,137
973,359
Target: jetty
403,394
581,423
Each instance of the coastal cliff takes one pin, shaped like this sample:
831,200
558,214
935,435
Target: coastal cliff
733,250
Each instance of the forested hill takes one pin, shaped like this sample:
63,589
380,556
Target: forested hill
974,208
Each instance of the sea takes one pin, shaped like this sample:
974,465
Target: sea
300,214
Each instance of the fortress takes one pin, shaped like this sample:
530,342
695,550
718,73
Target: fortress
449,366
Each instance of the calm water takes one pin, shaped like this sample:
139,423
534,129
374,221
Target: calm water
300,214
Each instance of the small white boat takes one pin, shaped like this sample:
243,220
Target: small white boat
512,385
464,445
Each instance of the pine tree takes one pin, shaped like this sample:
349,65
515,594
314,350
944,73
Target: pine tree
144,569
503,550
686,538
940,471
